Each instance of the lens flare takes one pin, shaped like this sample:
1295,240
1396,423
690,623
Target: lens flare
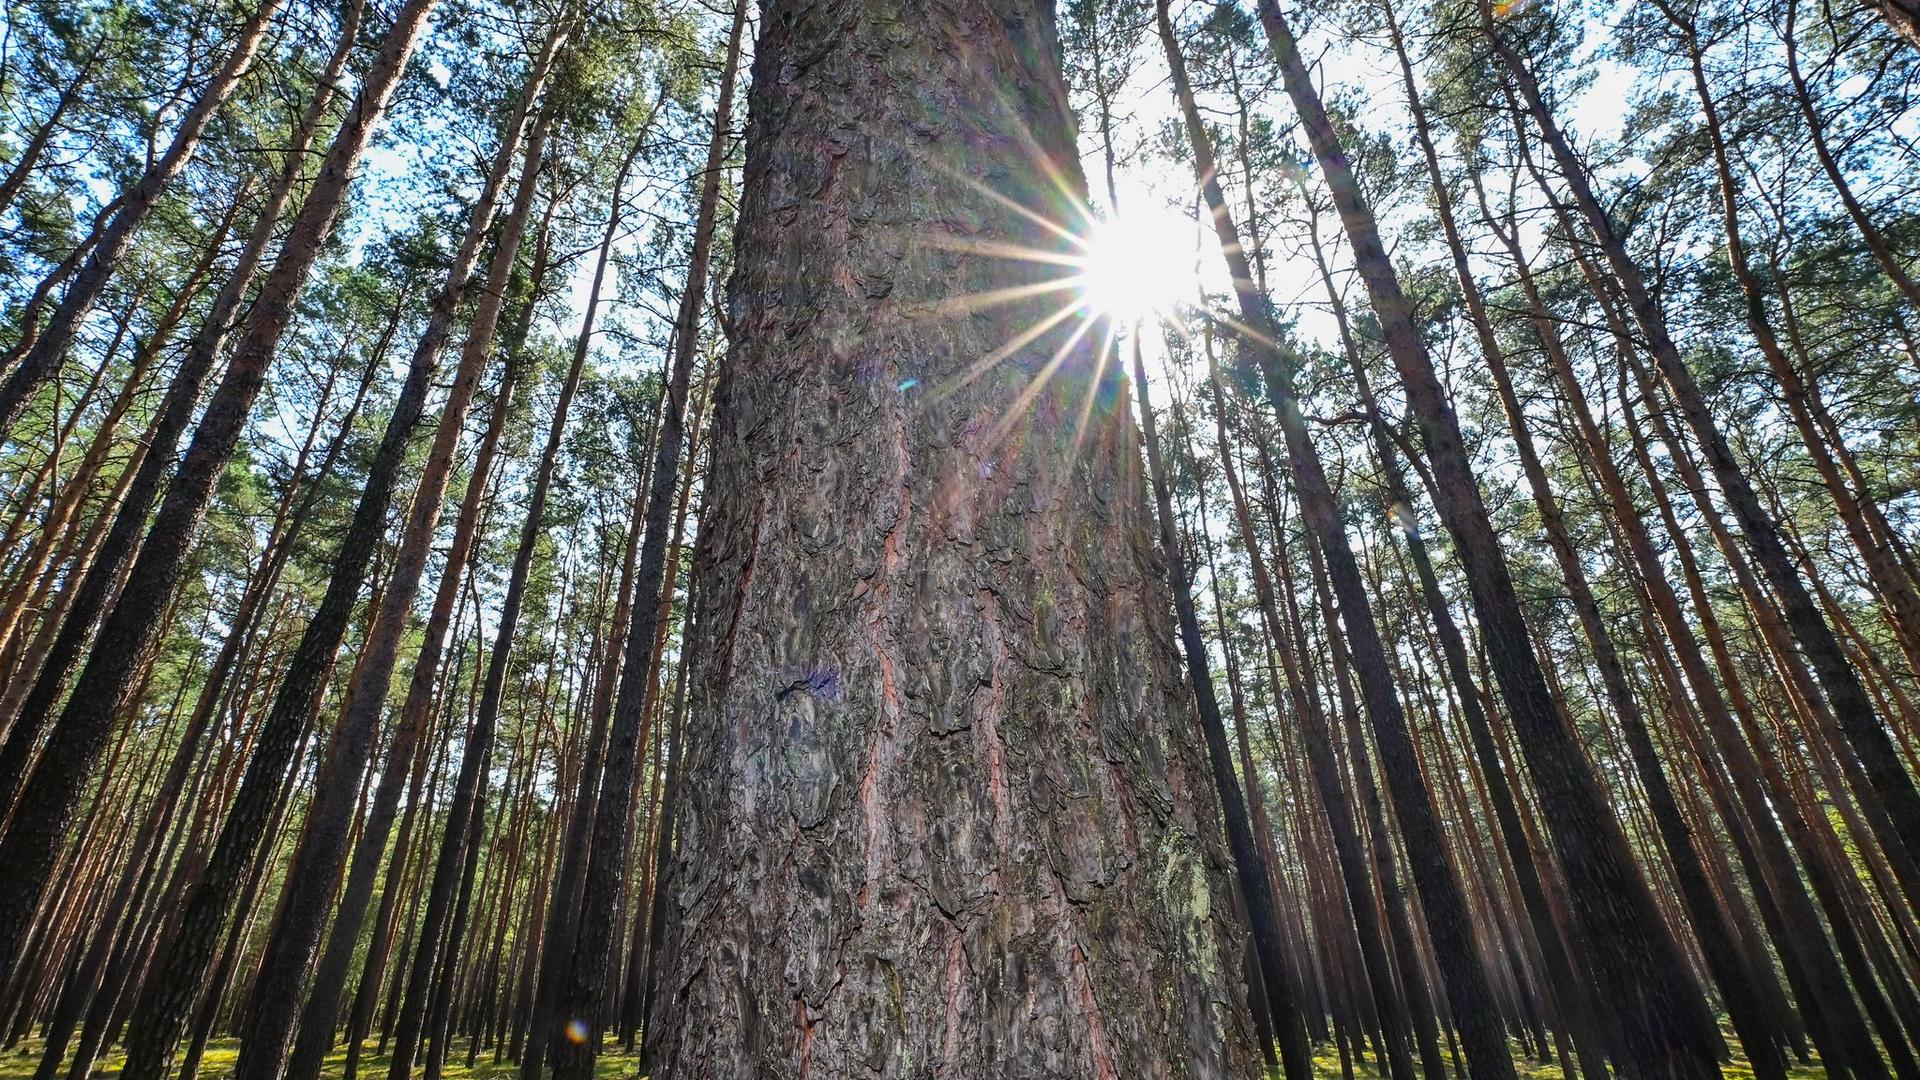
1138,268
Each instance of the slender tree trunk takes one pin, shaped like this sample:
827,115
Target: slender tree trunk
1832,1019
49,349
46,801
1737,984
447,869
29,157
1889,578
406,751
314,875
470,787
290,518
1255,885
1852,708
1902,15
295,705
556,949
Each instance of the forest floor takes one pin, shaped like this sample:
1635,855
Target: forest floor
1326,1066
218,1062
18,1064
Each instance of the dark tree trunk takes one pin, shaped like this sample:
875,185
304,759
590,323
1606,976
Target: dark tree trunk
42,360
50,794
555,943
1256,885
469,789
289,521
648,926
1820,984
447,868
38,695
1448,917
164,1013
406,750
1571,997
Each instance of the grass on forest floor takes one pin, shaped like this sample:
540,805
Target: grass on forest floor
218,1063
1326,1066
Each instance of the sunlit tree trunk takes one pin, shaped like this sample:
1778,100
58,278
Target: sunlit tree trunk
978,800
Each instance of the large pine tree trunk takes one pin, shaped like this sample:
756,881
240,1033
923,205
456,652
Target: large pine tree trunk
945,810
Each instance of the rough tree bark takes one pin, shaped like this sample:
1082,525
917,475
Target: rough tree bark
944,810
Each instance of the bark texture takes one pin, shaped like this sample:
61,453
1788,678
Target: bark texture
946,812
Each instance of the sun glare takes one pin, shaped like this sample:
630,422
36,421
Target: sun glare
1137,268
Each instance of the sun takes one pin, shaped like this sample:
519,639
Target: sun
1138,268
